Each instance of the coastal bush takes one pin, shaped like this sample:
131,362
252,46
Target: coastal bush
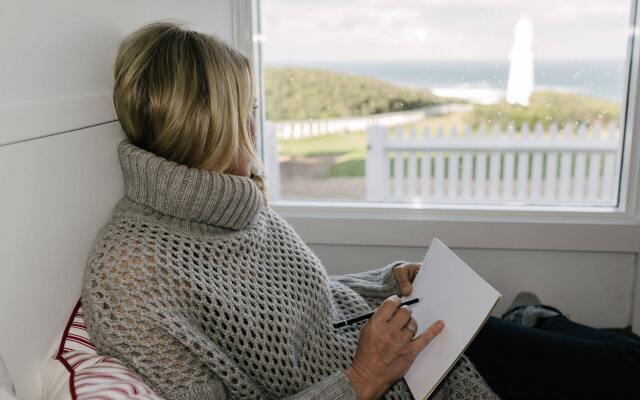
303,93
546,107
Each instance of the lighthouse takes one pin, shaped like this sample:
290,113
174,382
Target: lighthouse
520,83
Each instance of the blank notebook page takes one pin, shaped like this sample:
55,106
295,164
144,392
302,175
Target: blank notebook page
451,291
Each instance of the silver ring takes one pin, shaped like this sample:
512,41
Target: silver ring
412,326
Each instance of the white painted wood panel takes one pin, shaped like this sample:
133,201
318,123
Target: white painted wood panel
57,57
46,117
56,188
592,288
56,193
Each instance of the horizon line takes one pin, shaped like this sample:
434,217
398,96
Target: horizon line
592,59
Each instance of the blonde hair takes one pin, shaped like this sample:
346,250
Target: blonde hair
187,97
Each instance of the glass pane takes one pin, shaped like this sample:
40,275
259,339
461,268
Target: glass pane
456,102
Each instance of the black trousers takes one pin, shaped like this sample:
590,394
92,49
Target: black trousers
556,359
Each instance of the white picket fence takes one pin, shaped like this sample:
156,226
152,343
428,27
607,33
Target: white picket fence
270,161
489,166
317,127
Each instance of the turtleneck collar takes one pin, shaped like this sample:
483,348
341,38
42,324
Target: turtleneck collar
222,200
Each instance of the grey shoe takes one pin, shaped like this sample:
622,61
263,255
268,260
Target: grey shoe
527,308
525,299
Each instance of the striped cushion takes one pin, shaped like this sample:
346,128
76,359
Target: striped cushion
76,337
79,373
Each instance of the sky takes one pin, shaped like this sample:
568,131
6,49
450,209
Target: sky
440,30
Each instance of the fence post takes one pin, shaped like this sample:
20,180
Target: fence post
271,165
453,177
508,166
537,166
610,168
593,174
425,167
412,171
467,168
439,167
376,164
551,173
494,165
580,165
564,188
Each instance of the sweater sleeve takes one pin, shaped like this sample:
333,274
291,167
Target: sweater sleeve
194,379
374,285
333,387
336,386
222,371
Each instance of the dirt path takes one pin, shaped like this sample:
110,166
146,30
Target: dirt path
305,178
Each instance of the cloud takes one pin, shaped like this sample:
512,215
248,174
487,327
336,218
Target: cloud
440,29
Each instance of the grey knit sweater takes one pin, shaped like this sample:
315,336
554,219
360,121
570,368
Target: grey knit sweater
205,292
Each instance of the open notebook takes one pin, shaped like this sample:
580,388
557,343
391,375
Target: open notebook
451,291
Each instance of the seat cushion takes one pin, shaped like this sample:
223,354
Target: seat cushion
77,371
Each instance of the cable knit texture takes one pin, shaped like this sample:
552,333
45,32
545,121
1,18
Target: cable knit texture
203,290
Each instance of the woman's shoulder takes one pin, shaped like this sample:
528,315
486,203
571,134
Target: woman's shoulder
136,243
124,258
272,219
278,225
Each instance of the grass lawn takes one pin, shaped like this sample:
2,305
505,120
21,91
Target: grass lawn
350,150
326,145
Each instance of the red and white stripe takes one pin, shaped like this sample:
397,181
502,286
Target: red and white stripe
93,376
76,336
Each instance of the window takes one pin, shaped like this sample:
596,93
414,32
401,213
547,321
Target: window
499,103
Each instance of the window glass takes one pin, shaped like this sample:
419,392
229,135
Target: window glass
445,101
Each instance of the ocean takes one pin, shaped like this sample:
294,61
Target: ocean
488,79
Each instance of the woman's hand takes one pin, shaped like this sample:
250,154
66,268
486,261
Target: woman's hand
405,274
387,348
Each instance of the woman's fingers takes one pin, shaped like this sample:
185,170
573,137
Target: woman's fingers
425,337
400,318
409,330
401,273
405,274
387,309
413,272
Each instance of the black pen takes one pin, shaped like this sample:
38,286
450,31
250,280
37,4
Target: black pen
368,315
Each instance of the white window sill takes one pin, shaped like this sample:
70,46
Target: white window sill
603,229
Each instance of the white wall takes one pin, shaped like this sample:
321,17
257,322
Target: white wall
591,287
57,56
588,270
59,175
65,48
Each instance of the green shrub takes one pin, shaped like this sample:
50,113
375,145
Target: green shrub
304,93
547,107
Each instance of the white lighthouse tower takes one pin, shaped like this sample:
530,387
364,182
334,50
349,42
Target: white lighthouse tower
520,83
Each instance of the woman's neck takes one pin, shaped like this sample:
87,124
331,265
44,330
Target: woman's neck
223,200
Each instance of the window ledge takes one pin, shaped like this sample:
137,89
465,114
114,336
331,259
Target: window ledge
603,229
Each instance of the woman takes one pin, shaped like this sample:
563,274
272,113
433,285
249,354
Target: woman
202,289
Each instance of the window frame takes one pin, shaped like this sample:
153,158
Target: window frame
511,227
